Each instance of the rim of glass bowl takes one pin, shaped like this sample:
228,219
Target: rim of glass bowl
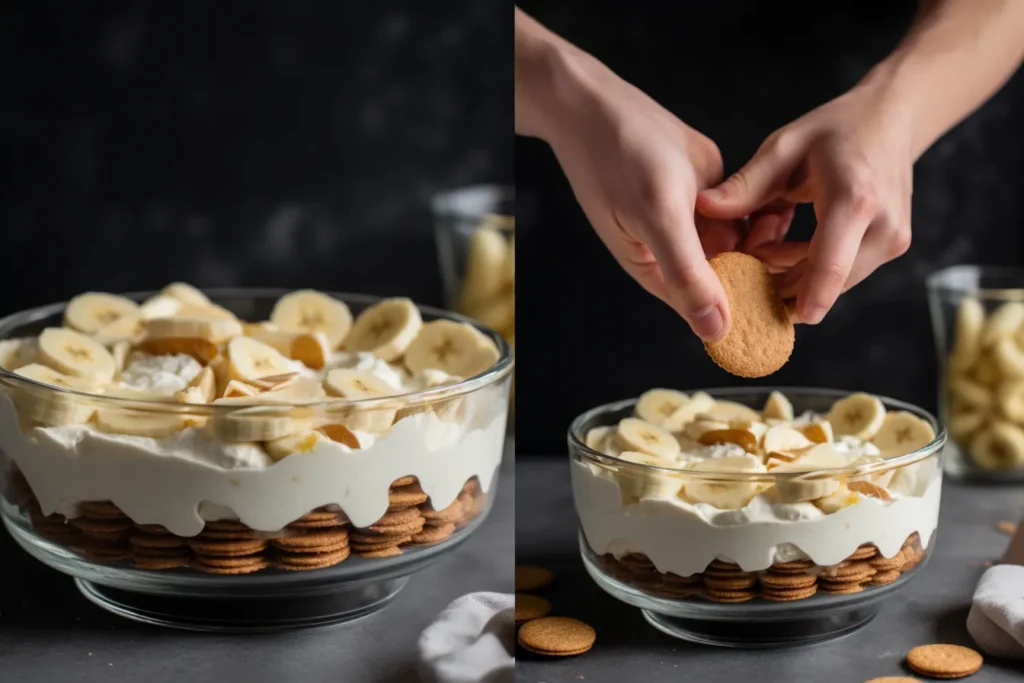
935,446
491,376
938,282
452,203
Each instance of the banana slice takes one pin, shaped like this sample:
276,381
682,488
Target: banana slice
637,435
657,405
75,354
698,404
456,348
598,437
50,407
498,313
203,350
91,311
160,306
1009,358
964,425
731,410
859,415
1000,447
236,389
509,269
275,382
221,367
698,427
969,393
144,423
743,438
17,353
303,442
902,433
356,385
986,371
130,328
251,359
213,329
250,421
186,294
1004,322
312,350
786,439
637,483
307,311
843,497
970,320
725,495
120,351
819,431
486,254
777,407
201,389
300,391
1011,401
386,329
799,490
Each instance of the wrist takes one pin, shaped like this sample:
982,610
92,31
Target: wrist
897,89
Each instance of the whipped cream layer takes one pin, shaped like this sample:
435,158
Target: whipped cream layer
683,537
181,480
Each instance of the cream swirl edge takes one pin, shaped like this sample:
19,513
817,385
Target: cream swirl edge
153,488
678,539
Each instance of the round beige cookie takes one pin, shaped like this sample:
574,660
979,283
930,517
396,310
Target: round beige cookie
761,335
944,661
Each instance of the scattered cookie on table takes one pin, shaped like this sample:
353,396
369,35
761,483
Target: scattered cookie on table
761,336
944,661
893,679
556,636
530,607
530,578
1008,528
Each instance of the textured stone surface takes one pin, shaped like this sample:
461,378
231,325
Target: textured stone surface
737,70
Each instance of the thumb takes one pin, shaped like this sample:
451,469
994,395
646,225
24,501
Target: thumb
691,286
749,188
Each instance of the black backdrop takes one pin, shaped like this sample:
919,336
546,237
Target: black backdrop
278,143
736,70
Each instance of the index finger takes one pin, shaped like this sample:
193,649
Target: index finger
830,258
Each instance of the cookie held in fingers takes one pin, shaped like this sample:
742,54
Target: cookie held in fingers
761,336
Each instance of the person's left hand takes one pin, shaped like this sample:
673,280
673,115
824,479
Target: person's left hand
851,158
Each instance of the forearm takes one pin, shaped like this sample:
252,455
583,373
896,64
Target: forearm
957,54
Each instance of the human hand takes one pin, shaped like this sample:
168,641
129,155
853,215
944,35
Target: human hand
851,158
635,170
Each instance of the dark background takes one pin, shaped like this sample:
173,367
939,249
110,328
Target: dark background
279,143
737,70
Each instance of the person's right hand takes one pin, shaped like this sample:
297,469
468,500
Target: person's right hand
636,170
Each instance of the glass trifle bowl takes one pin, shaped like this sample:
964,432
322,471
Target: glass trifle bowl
756,517
247,459
978,319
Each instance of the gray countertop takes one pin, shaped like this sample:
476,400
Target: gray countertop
49,632
933,608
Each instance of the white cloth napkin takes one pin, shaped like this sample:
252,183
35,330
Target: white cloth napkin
996,619
471,641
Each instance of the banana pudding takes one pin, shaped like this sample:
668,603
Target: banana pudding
173,432
682,495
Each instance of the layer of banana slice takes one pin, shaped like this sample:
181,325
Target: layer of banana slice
638,483
48,407
902,433
725,495
91,311
843,497
597,438
129,328
728,411
998,447
358,385
308,311
797,489
487,254
783,438
160,306
186,294
201,389
1003,322
75,354
970,319
145,423
643,437
1011,401
967,393
698,404
386,329
213,329
248,421
657,405
818,431
963,425
860,415
302,442
1008,359
456,348
251,359
17,353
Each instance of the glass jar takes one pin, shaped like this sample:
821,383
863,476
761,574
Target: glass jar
255,515
475,232
760,572
978,319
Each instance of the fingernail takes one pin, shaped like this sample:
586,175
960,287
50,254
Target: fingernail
708,323
813,314
714,194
